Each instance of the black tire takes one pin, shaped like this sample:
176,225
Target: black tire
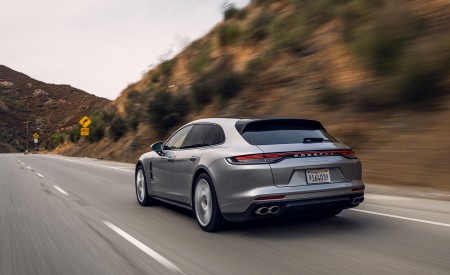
205,205
140,184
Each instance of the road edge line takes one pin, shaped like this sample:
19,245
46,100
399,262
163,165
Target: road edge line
94,164
401,217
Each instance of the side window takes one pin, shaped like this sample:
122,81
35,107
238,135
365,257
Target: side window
215,136
177,139
197,136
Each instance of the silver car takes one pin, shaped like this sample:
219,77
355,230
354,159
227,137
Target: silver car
234,170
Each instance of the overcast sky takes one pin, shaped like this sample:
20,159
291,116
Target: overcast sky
99,46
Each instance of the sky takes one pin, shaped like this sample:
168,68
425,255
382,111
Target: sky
99,46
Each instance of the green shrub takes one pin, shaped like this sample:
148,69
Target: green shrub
230,11
319,12
167,66
380,44
259,27
289,33
134,120
57,139
133,95
166,110
255,65
422,72
118,128
74,134
96,132
221,80
242,14
328,97
262,2
228,85
229,34
155,77
202,90
201,59
107,115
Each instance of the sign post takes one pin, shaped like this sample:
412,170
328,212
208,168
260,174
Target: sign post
85,122
36,141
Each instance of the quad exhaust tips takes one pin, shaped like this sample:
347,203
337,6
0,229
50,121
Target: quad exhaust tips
358,200
267,210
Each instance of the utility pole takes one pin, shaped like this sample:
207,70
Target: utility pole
26,122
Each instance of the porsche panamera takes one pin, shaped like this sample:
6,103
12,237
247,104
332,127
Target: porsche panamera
231,170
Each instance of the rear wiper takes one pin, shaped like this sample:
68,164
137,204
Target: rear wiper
313,140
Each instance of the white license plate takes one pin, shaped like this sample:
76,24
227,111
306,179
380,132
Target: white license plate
318,176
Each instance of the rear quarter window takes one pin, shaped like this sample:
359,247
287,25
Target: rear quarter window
204,135
215,136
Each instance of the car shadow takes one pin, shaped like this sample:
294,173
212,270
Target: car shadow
296,226
286,227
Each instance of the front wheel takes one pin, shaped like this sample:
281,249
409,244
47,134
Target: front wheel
206,207
141,188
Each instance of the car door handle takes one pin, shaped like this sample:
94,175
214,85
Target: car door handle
193,158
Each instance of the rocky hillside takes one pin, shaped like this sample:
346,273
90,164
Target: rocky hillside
49,108
375,73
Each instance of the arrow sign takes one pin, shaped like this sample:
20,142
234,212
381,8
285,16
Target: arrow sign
85,121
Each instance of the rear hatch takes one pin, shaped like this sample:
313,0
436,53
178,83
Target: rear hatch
300,152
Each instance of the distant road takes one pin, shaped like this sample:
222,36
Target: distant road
61,215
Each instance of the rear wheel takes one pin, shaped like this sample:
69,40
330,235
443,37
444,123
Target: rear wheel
141,188
206,207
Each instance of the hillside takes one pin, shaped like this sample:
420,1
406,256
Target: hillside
375,73
49,108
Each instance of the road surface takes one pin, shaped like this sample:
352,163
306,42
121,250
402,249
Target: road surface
62,215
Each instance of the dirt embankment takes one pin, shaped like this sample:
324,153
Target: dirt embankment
377,76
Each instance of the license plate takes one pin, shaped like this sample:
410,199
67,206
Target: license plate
318,176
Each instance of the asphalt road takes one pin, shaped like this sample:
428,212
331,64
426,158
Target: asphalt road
61,215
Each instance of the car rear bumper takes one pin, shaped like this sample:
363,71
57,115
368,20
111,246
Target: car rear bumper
297,207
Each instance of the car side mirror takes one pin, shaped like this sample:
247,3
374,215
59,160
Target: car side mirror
158,147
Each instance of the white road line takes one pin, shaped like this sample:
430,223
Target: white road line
60,190
39,175
21,163
147,250
402,218
29,167
94,164
440,194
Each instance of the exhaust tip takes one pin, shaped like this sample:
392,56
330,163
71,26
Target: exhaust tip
274,209
361,199
262,211
356,200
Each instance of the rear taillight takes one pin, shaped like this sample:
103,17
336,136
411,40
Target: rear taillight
266,158
269,198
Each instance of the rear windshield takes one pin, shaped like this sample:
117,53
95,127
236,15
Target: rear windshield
284,133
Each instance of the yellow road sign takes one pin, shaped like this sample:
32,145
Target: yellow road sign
85,121
84,132
35,135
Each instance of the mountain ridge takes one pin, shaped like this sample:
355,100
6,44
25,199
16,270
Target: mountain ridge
49,107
